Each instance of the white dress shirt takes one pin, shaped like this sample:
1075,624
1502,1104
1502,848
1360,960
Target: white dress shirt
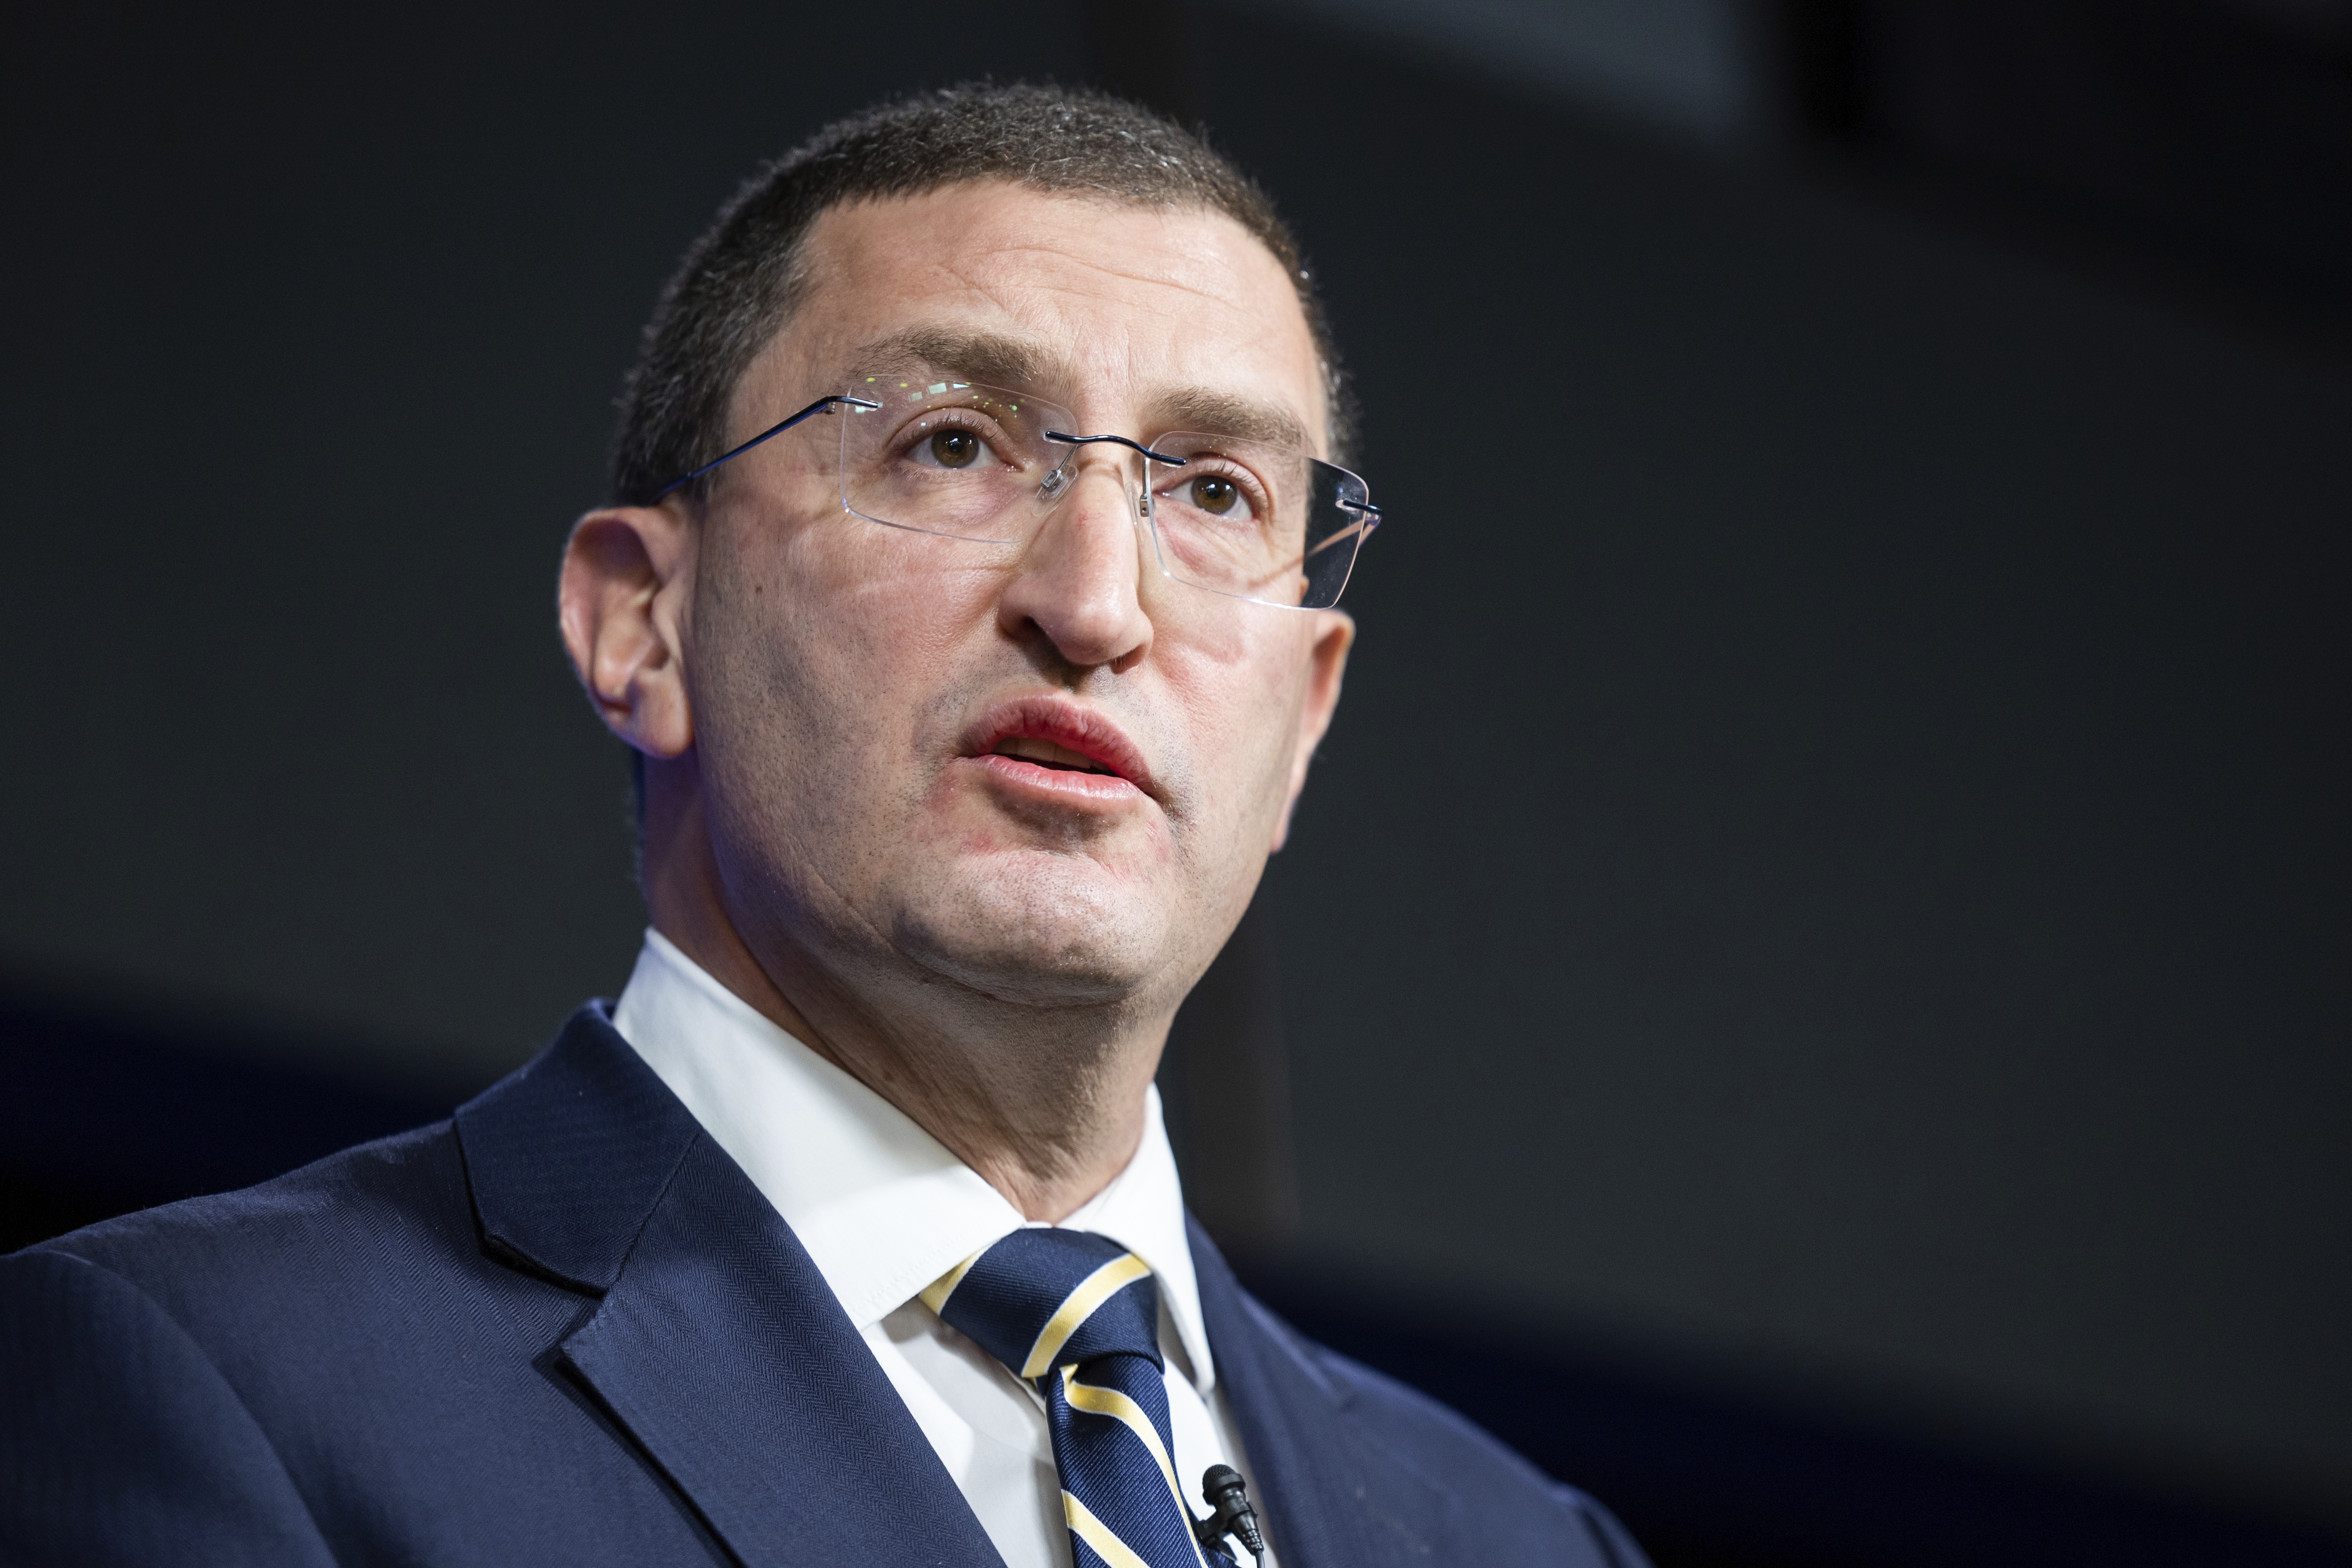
884,1209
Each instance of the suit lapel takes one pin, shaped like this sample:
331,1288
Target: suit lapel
726,1356
716,1344
1330,1497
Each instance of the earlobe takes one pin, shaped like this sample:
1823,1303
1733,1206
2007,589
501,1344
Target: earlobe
1327,661
618,601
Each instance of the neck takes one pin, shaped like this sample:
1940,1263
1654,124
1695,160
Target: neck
1046,1104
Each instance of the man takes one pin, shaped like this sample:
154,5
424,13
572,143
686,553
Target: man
967,602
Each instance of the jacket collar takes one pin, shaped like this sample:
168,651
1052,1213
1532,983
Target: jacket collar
568,1156
715,1343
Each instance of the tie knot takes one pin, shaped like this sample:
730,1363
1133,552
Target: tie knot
1044,1298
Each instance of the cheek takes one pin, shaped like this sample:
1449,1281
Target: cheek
1239,698
823,648
877,611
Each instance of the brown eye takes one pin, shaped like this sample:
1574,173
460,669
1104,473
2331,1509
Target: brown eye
954,448
1214,494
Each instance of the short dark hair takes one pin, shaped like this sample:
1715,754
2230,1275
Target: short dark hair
740,281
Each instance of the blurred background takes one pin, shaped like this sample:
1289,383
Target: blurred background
1809,991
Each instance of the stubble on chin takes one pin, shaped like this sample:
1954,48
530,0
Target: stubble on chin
1034,927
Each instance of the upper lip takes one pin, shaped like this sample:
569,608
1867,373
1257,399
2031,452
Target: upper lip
1083,729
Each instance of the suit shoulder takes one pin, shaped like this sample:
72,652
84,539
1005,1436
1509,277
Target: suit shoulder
1459,1458
1469,1457
364,1199
122,1441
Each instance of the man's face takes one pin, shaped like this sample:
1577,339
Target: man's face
903,738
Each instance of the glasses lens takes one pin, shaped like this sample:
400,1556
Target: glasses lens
1259,523
949,456
1240,518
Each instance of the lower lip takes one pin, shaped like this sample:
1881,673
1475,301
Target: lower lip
1062,783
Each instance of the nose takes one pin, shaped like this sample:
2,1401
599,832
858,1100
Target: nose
1077,586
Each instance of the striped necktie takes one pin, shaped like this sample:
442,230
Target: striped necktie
1077,1316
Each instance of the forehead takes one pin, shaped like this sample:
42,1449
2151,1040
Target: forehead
1124,312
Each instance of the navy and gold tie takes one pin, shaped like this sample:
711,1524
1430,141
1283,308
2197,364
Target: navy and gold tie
1077,1316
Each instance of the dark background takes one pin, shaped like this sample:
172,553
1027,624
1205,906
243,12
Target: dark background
1809,990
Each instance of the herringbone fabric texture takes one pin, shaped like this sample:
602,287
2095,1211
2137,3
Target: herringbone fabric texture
1077,1315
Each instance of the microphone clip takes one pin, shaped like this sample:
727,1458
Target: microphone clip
1227,1495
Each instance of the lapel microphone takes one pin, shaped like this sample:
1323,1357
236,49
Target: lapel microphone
1223,1489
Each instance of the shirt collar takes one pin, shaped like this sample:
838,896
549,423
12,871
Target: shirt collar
882,1206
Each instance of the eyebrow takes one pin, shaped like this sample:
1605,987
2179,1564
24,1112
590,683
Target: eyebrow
990,358
1205,411
994,359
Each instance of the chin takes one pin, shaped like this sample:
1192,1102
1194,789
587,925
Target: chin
1049,930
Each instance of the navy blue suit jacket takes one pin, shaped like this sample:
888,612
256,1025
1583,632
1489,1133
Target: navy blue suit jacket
564,1327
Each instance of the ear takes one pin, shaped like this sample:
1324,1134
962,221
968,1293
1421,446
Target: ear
1335,633
626,579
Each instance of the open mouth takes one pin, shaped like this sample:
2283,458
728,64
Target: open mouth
1064,747
1046,754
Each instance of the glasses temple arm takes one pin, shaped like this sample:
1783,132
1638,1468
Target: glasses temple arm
821,406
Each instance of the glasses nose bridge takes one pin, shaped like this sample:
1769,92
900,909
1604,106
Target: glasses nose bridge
1100,458
1089,467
